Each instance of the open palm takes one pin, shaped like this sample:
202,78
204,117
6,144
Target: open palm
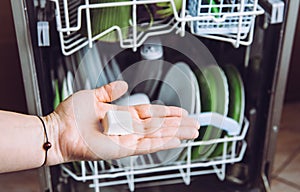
80,134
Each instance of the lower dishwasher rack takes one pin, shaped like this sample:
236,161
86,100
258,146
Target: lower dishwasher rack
99,174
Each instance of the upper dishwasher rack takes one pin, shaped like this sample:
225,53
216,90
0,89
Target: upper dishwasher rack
231,22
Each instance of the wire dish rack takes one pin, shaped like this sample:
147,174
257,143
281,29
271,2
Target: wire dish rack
73,17
102,174
224,20
231,20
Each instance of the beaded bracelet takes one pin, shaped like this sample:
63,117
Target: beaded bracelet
47,145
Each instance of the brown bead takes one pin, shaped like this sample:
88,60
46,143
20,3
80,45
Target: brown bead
47,145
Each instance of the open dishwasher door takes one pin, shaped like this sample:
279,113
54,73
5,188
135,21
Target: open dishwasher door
243,162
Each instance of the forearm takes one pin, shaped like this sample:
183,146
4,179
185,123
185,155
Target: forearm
21,141
74,131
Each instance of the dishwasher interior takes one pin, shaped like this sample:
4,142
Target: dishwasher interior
217,59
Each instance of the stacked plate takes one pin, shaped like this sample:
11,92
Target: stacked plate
210,89
222,92
236,101
179,88
217,93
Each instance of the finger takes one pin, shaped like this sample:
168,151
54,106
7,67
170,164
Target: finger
152,125
182,133
111,91
170,122
151,145
147,111
103,108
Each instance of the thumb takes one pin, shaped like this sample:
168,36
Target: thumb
111,91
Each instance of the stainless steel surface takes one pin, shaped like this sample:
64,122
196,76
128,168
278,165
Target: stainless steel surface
266,183
279,84
29,72
26,57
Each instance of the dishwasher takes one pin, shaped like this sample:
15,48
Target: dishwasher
224,61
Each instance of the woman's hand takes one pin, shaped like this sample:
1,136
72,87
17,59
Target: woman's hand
75,127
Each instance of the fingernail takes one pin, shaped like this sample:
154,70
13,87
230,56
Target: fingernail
197,124
196,134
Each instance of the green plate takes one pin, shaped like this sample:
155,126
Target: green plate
236,94
56,100
205,97
212,80
236,101
107,17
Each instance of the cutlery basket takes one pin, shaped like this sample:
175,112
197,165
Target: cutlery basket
227,20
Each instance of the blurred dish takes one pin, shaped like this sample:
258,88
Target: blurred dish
196,111
147,72
197,95
91,67
236,101
56,94
152,53
135,99
178,89
109,72
116,69
70,82
64,89
237,94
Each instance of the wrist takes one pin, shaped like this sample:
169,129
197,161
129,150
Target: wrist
52,123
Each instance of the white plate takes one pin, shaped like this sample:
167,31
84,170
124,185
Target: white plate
116,69
147,72
99,66
197,95
70,82
64,90
197,106
178,89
